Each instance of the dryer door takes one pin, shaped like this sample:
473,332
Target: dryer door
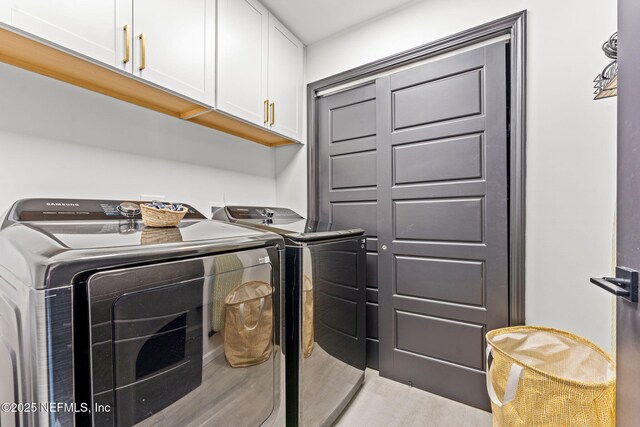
186,342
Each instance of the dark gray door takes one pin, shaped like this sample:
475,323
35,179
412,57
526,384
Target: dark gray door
628,219
628,313
419,159
443,220
348,180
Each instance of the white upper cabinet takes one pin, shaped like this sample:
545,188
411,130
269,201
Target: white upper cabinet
174,46
243,31
260,68
93,28
232,55
285,81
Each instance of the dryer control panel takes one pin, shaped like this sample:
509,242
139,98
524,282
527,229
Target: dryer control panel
260,212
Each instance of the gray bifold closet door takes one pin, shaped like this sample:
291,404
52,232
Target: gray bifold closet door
443,217
348,180
419,159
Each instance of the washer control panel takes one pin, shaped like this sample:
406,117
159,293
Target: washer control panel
82,209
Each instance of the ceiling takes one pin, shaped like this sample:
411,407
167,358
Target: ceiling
313,20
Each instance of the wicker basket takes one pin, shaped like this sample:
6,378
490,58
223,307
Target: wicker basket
153,217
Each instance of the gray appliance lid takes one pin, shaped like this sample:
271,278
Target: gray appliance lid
113,234
289,224
91,224
84,235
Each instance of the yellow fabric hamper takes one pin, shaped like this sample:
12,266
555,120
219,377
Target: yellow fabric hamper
543,377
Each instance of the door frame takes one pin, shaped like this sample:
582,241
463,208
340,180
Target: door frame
515,27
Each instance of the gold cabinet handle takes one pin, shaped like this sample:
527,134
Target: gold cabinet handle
266,111
127,44
143,52
273,113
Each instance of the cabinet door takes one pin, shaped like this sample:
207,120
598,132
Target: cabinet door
243,30
285,81
92,28
174,46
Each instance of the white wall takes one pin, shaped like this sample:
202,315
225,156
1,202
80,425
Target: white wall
60,140
570,141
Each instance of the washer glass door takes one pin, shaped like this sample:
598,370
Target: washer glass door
185,343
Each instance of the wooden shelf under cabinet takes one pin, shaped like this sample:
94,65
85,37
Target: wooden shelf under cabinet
32,55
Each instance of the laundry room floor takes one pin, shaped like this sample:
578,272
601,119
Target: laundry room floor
386,403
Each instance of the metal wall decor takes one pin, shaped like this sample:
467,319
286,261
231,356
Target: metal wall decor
606,83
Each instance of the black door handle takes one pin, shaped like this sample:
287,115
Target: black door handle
625,284
606,284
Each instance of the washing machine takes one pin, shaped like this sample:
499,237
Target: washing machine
325,305
106,322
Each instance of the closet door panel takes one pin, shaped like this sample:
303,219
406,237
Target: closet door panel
443,220
348,181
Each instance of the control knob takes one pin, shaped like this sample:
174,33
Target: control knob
129,209
269,213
